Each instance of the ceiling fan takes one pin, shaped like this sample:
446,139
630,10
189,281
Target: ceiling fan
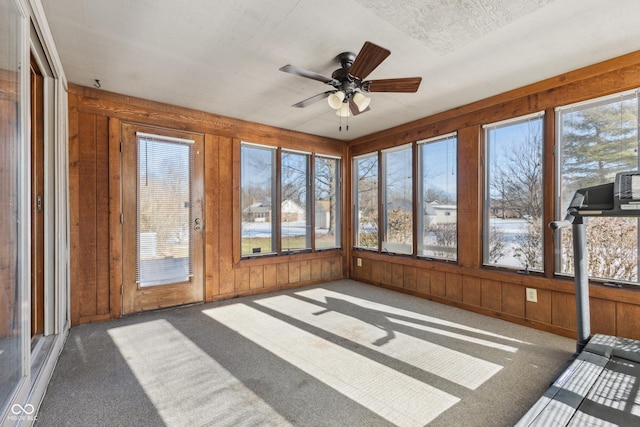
349,84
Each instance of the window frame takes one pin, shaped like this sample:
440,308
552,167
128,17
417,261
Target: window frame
356,200
599,101
276,201
420,202
486,197
384,196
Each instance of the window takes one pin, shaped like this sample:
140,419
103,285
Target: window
437,198
397,196
257,198
597,139
365,190
290,212
513,204
163,231
327,202
295,220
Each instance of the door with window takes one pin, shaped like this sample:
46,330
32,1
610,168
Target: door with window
162,218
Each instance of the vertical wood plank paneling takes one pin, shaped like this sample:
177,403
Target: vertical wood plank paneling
74,211
256,280
541,310
282,274
270,276
603,316
387,273
316,269
376,271
87,188
628,321
423,281
513,299
410,278
102,215
326,268
491,294
242,279
471,290
563,310
453,290
294,272
397,275
336,266
211,216
438,283
115,228
305,270
469,197
226,164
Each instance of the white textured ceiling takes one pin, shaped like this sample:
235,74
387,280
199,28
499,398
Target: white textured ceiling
223,56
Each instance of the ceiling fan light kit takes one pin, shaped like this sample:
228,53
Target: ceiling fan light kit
347,96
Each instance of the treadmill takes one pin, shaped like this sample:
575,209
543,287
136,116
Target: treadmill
601,385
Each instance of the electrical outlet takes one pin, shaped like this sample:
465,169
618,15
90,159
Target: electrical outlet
532,295
359,262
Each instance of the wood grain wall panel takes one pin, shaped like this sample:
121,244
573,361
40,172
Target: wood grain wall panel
294,272
211,216
513,299
242,279
563,310
115,227
225,200
491,294
316,269
469,197
102,216
326,268
628,321
423,281
387,273
453,289
397,275
87,257
471,290
270,275
74,211
541,310
376,271
282,274
256,280
438,283
410,278
305,270
336,266
603,316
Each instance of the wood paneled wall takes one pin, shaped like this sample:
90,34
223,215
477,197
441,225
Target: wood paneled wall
500,292
94,175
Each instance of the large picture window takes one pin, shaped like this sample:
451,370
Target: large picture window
513,204
257,199
397,193
597,139
295,220
288,204
437,198
327,202
365,191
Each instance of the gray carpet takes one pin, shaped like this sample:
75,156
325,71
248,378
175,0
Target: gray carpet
338,354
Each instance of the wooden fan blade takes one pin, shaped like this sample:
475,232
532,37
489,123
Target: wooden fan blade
354,108
369,57
306,73
313,99
408,84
